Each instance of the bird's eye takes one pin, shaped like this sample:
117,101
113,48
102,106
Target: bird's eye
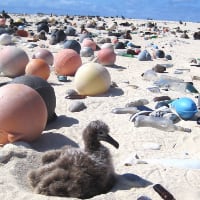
100,132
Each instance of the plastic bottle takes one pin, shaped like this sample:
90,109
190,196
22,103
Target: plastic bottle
159,123
150,75
165,80
175,84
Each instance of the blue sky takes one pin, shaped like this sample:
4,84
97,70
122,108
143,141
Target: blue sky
186,10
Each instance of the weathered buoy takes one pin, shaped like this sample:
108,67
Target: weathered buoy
72,44
89,43
106,56
66,62
2,21
22,33
44,54
92,79
86,52
13,61
38,67
107,45
23,113
5,39
45,90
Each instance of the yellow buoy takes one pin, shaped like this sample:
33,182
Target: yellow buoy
92,79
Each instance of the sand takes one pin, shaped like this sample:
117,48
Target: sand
18,158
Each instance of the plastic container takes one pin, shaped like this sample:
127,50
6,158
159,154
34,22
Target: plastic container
150,75
185,107
159,123
175,84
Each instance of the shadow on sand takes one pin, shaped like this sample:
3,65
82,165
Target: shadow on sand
112,92
128,181
50,141
61,121
115,67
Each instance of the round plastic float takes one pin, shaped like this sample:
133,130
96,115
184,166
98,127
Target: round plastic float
185,107
72,44
89,43
13,61
22,33
66,62
86,52
5,39
106,56
45,90
23,114
45,55
2,21
92,79
38,67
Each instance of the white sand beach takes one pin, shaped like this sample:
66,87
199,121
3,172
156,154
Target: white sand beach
181,181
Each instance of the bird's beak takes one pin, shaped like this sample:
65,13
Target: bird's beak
110,140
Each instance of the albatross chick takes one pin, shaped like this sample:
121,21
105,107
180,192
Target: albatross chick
72,172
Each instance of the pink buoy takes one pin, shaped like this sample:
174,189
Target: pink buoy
114,40
2,21
44,54
89,43
106,56
13,61
66,62
23,113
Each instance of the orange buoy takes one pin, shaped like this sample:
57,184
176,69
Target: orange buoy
66,62
22,33
38,67
23,113
3,137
